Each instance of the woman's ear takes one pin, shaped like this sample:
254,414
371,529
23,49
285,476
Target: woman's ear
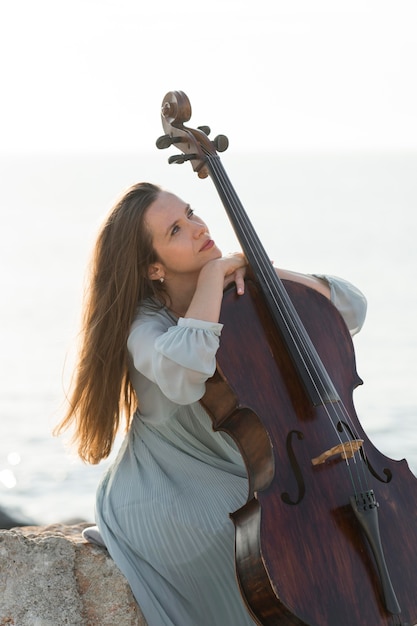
155,272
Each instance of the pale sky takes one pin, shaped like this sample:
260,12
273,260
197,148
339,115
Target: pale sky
90,75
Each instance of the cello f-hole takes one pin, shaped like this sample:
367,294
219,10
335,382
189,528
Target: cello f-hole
386,471
285,497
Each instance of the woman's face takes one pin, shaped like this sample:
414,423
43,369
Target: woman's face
180,239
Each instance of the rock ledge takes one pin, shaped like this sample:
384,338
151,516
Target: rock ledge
50,576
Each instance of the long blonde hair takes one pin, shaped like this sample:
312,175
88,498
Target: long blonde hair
118,281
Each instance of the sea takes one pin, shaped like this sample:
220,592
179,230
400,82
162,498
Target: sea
351,214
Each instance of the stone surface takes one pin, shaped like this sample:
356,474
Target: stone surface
50,576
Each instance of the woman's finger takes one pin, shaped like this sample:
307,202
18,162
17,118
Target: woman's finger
240,281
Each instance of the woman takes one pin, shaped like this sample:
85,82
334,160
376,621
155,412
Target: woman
151,333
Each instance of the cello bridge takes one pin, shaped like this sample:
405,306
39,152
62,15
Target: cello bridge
346,450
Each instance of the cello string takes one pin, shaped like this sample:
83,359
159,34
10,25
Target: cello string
265,271
294,332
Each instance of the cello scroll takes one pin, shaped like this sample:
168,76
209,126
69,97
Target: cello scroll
194,143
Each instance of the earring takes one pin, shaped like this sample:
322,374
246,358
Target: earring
161,280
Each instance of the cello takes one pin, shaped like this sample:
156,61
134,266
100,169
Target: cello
328,535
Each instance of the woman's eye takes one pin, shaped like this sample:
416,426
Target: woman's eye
176,228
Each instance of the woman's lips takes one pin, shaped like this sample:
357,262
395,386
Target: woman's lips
209,244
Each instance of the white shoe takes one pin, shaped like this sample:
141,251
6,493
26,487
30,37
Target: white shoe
92,535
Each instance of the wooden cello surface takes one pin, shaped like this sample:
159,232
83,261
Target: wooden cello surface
306,562
328,536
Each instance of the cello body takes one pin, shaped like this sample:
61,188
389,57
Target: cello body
301,558
328,536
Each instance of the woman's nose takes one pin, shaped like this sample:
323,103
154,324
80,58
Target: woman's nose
199,228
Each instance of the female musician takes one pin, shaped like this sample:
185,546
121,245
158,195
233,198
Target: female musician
150,337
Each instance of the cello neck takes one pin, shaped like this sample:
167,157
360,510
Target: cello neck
310,368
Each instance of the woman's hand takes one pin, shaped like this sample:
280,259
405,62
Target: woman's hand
235,269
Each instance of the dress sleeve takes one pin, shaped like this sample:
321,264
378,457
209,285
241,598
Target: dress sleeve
178,359
350,302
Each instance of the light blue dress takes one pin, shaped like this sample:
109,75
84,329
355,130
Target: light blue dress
163,506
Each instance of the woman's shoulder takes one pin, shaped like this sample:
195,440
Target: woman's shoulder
152,313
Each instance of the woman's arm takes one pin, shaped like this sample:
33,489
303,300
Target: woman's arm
309,280
178,358
214,277
348,299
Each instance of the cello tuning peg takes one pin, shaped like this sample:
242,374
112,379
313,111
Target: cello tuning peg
181,158
221,143
176,158
165,141
205,129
